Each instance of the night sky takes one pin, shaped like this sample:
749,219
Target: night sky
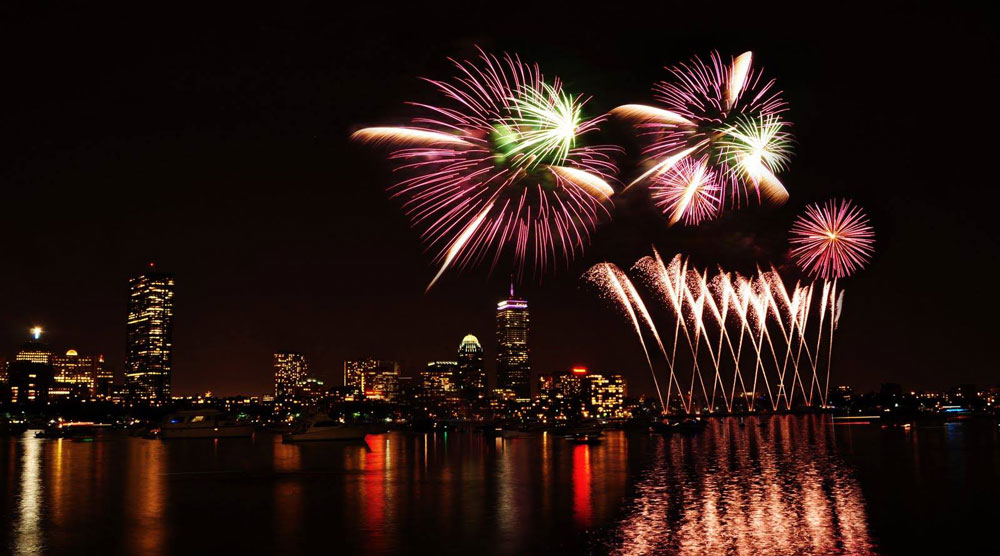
215,143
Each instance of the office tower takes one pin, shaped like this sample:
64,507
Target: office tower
78,373
438,381
311,390
605,396
375,379
149,353
471,377
290,372
513,370
30,375
34,350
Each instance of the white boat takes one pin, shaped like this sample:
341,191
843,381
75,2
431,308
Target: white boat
205,423
323,428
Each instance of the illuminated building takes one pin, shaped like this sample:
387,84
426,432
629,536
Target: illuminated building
34,350
3,369
579,393
290,371
311,390
513,369
30,374
79,373
605,396
149,352
438,381
471,376
375,379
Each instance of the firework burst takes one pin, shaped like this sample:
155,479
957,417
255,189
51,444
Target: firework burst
497,168
725,114
688,192
832,240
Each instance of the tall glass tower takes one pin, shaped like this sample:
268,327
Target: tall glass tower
471,375
149,353
513,370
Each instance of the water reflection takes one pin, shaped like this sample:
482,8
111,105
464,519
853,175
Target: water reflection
146,498
28,537
781,488
774,487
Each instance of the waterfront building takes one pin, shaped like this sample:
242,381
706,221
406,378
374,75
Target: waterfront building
513,368
150,325
438,381
471,375
605,396
79,374
376,379
290,371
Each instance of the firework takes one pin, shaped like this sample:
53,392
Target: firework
498,168
725,115
832,240
688,192
747,338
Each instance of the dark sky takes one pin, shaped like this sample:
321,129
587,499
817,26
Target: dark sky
215,143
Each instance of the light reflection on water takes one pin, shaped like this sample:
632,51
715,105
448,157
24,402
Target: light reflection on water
784,488
777,488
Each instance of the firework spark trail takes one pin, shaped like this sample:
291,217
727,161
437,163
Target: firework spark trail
750,307
834,317
775,282
605,276
720,112
658,274
497,168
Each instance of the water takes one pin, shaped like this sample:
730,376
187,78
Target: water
796,485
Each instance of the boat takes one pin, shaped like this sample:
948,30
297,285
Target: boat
584,427
689,425
587,438
321,427
203,423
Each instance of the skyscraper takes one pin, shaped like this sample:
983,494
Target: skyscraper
374,379
149,353
513,370
471,375
290,372
79,373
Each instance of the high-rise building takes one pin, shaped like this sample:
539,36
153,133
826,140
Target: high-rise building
438,381
34,350
149,353
513,370
30,374
471,377
605,396
375,379
79,373
290,372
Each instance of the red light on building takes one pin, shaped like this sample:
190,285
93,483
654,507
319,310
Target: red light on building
579,370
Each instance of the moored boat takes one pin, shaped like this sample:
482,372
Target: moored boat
203,423
321,427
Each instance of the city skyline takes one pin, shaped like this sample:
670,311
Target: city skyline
183,169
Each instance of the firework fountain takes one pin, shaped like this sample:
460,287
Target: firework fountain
731,342
498,167
719,134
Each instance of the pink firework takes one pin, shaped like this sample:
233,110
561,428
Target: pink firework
724,113
832,240
688,192
497,168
